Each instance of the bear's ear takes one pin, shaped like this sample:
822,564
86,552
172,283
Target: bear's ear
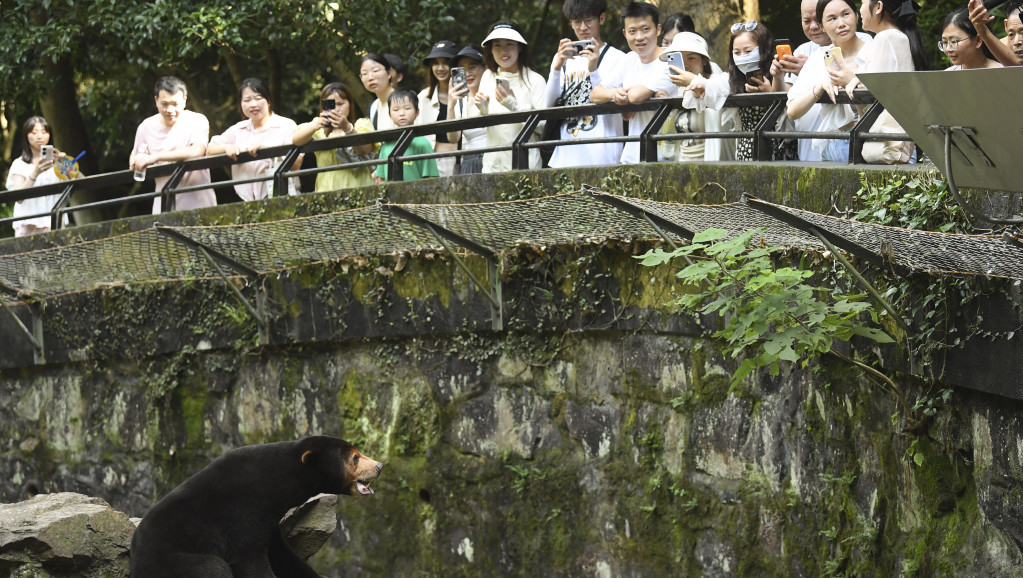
310,458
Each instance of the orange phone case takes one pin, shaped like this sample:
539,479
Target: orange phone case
784,50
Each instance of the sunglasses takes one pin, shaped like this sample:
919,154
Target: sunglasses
747,26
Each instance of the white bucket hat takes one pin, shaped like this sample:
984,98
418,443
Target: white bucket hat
504,32
687,42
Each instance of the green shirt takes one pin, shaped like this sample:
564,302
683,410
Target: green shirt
412,170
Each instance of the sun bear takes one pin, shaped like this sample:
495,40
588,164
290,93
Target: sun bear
224,521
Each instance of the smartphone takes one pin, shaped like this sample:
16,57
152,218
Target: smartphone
581,45
504,83
675,59
458,77
783,48
47,152
327,104
754,74
832,57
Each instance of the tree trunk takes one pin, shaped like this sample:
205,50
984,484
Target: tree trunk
60,107
274,80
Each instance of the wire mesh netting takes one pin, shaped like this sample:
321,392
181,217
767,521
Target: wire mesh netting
571,218
923,251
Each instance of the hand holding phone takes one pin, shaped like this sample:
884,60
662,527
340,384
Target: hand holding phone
580,45
458,77
675,59
833,58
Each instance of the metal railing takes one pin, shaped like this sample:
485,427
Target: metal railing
519,147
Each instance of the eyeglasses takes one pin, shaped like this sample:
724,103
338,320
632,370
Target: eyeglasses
945,46
747,26
583,22
372,72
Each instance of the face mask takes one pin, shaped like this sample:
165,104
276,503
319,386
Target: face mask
749,62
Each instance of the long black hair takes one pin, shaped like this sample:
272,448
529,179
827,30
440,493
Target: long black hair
903,13
29,126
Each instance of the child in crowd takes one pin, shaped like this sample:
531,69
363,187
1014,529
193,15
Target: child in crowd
337,120
641,74
404,108
508,85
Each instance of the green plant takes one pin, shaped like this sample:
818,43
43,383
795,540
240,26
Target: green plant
770,312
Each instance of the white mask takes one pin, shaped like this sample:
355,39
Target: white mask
748,62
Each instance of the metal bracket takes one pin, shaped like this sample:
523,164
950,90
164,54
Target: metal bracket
838,240
258,311
492,290
520,154
647,145
35,336
966,134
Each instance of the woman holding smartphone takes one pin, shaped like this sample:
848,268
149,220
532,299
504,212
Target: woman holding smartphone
31,169
827,71
337,118
433,101
462,105
508,85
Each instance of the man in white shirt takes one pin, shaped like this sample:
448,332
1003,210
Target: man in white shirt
641,75
174,134
573,75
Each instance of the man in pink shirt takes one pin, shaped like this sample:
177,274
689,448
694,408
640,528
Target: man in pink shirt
174,134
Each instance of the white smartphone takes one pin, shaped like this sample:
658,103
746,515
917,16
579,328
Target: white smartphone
47,152
504,83
832,57
675,59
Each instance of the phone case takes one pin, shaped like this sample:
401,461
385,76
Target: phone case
675,59
784,50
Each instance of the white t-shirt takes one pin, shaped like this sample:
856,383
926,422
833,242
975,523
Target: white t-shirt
811,121
190,128
632,72
38,204
472,138
889,52
583,155
831,116
528,89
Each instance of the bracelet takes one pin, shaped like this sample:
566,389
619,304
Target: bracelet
31,178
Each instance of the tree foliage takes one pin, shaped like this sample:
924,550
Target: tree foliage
769,312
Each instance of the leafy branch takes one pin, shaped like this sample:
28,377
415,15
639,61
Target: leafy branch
769,311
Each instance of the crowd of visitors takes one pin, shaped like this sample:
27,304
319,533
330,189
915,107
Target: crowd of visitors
666,60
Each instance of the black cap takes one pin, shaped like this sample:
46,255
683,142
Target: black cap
472,52
442,49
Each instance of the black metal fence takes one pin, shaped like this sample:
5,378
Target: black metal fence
520,147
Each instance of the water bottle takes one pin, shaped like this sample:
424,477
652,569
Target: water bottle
141,175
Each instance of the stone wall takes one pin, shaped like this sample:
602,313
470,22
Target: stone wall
595,436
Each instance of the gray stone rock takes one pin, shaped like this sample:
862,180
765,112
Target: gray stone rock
308,527
64,534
